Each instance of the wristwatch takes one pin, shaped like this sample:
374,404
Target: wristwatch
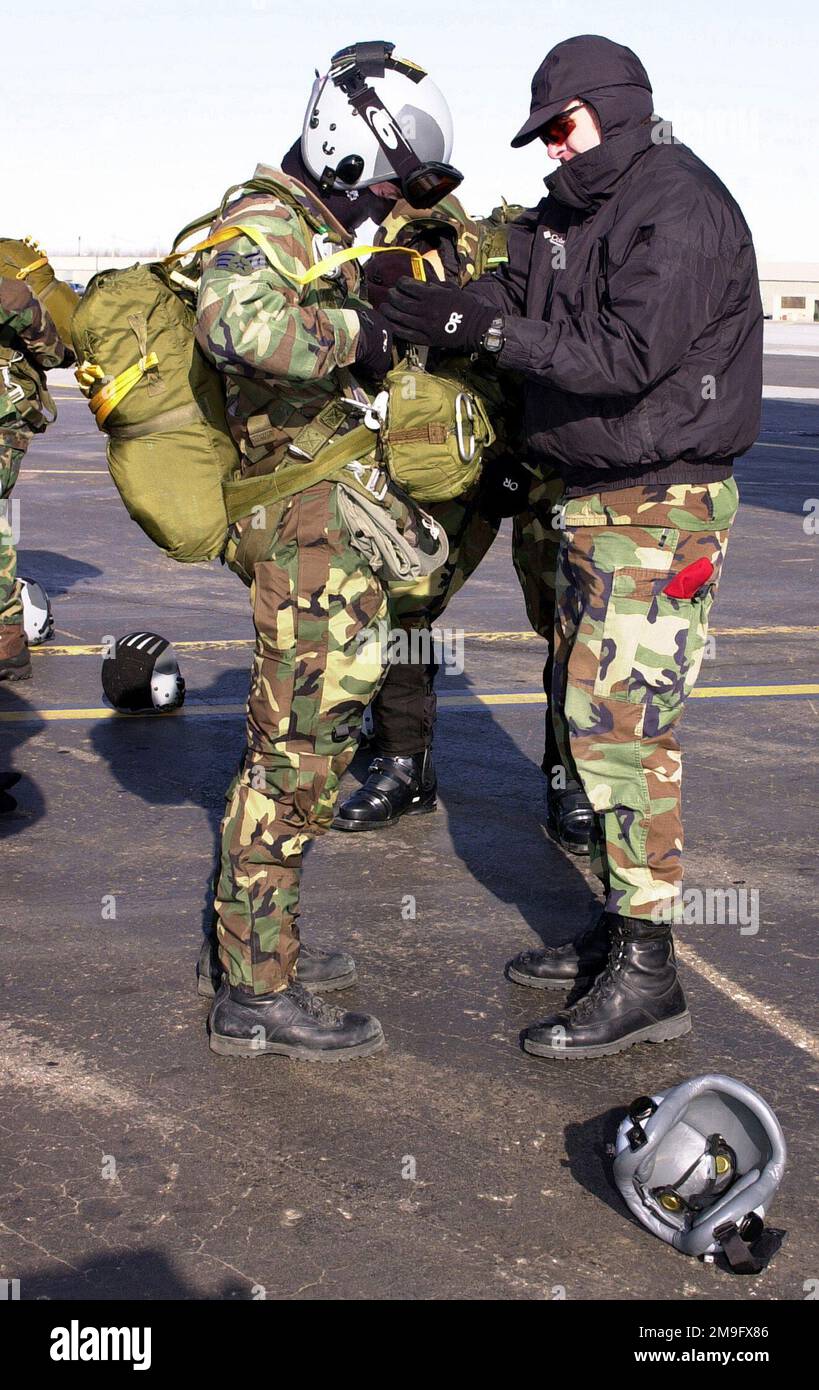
493,339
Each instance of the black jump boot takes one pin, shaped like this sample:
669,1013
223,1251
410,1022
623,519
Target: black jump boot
636,998
315,969
294,1023
559,967
570,818
395,787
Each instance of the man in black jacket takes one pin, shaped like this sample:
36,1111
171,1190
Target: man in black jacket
630,304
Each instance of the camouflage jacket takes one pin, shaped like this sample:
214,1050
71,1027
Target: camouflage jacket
281,346
25,326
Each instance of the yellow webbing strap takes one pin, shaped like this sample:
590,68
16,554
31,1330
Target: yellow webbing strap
29,269
257,236
109,396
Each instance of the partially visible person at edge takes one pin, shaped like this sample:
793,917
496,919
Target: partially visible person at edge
26,329
631,305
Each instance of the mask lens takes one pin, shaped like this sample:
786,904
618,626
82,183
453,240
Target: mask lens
429,183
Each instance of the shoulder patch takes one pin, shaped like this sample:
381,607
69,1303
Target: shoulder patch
240,265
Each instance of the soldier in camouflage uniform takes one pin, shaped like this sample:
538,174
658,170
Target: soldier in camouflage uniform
401,778
287,351
28,333
630,304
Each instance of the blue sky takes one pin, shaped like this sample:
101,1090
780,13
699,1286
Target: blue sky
140,116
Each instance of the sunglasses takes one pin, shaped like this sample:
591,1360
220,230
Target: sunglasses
559,127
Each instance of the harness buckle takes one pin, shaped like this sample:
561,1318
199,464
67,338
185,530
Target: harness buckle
464,412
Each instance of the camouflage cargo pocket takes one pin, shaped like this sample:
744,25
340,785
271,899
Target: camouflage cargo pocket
653,645
638,642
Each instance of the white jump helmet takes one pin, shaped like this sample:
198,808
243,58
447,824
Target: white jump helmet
38,619
699,1165
375,117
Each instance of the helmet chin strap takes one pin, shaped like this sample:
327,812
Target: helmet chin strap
351,208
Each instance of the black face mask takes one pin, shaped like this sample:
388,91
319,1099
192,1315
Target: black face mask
349,211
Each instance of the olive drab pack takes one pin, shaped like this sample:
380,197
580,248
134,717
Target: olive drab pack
435,430
156,395
25,260
22,384
492,234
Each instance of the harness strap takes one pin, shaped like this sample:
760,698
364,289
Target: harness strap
162,423
243,494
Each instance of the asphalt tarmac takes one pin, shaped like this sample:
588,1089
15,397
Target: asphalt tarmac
135,1164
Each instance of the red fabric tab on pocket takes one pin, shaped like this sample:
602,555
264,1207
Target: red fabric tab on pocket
688,581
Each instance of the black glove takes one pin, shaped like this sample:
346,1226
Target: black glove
439,315
505,487
373,353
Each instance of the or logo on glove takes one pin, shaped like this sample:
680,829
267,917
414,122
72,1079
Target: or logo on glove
437,315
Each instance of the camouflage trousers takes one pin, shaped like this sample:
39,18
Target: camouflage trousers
405,708
627,656
13,445
315,602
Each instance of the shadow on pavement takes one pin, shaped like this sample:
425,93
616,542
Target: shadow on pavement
28,796
143,1274
57,573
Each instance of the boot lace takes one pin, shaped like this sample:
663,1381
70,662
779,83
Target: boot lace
605,980
314,1004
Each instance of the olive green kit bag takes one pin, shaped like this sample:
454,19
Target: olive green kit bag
23,389
25,260
161,404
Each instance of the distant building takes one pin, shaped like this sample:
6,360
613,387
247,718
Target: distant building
790,291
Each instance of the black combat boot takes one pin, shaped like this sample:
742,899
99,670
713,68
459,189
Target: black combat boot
395,787
315,969
570,818
636,998
559,967
294,1023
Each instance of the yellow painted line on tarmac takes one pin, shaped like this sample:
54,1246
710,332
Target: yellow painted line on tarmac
233,643
464,701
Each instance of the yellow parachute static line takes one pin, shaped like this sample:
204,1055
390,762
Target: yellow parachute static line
256,235
109,396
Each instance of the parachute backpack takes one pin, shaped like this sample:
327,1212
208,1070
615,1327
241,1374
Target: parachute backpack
26,260
699,1165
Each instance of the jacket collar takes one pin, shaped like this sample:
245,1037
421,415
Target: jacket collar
310,200
587,180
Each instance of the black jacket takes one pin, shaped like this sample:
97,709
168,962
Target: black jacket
641,338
